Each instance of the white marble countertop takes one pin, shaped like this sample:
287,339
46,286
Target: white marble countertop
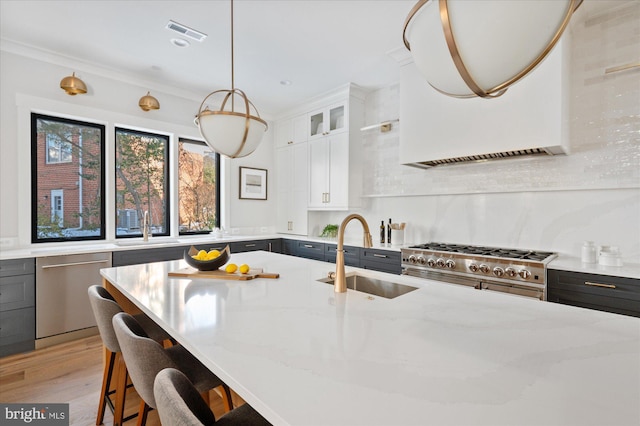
57,249
441,355
567,263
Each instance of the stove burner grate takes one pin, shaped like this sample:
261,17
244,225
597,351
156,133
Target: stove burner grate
486,251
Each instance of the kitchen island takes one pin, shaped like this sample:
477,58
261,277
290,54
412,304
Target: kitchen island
440,355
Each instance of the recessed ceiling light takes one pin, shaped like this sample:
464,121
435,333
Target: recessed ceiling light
286,82
180,42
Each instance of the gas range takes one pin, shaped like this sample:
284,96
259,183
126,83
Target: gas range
515,271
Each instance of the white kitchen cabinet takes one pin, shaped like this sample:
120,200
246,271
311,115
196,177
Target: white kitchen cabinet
328,120
329,172
291,131
292,183
336,156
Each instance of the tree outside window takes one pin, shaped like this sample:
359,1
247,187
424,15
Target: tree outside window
198,187
67,163
142,165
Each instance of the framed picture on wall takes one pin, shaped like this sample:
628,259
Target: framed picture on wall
253,184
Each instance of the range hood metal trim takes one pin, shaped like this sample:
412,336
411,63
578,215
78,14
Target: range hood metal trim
480,158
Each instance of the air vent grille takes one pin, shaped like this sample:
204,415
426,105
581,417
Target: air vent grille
186,31
481,157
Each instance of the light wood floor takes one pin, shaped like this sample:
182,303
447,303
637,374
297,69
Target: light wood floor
70,373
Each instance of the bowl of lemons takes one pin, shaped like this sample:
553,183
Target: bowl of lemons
204,260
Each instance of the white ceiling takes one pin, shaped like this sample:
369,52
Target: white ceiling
316,44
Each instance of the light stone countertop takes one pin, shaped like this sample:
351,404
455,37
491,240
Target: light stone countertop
441,355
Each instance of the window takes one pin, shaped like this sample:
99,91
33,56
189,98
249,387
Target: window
67,179
142,176
58,151
198,187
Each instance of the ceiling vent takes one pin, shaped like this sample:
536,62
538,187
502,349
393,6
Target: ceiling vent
186,31
480,158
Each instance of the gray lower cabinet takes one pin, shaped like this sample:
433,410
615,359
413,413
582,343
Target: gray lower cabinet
381,260
17,306
601,292
289,247
351,255
310,250
136,257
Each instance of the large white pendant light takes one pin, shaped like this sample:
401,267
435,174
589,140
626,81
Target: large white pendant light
479,48
233,128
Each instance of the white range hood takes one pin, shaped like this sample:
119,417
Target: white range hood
531,118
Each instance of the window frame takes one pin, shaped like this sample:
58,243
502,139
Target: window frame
218,164
35,118
166,180
59,149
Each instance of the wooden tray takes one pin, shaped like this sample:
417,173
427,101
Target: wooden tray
222,275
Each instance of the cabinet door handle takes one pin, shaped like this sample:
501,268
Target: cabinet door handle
289,143
379,255
62,265
599,285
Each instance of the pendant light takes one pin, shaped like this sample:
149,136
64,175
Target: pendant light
148,102
233,128
73,85
479,48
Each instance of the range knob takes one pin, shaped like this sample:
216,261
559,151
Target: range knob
524,274
431,262
441,263
498,271
484,269
473,267
510,272
412,259
450,264
422,260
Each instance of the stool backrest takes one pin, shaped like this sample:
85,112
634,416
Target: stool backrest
144,356
179,403
104,308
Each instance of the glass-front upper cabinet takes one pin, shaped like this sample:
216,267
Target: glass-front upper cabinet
330,120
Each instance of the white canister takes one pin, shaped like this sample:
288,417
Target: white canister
588,252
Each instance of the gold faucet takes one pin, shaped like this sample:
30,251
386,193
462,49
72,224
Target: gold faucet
340,281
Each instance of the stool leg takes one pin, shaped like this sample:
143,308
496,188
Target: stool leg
110,358
121,390
226,398
142,413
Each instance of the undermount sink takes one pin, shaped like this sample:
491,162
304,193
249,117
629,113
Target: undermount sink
373,286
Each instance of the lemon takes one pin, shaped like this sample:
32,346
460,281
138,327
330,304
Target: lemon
202,255
213,254
231,268
244,268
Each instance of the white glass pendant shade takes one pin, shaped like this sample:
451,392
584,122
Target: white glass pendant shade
481,47
231,129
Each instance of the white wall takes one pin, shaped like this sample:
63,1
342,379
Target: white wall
551,203
28,84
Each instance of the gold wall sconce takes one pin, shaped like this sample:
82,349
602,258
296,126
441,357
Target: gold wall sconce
72,85
148,102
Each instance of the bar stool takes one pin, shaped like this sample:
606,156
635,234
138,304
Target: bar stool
146,357
179,404
104,308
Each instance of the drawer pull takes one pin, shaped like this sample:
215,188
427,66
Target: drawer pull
308,246
249,245
380,255
599,285
62,265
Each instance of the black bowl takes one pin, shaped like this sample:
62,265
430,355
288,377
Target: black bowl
206,265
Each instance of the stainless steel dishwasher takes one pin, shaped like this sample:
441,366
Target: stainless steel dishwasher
62,303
